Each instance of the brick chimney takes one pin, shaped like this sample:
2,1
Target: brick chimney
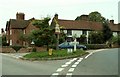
84,17
2,31
112,21
56,16
20,16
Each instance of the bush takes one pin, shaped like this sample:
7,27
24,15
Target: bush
16,48
95,37
34,50
52,46
83,39
96,46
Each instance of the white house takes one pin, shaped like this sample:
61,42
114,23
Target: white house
78,27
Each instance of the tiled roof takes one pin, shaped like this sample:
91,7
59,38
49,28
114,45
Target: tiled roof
82,24
115,27
18,24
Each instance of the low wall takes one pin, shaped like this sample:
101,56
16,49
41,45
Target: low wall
22,50
7,50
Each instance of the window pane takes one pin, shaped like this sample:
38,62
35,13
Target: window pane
69,32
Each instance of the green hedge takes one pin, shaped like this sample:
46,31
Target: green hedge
16,48
96,46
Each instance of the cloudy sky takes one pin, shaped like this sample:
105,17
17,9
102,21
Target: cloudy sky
66,9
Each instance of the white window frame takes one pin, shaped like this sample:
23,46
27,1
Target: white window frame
10,42
7,41
10,32
69,32
24,31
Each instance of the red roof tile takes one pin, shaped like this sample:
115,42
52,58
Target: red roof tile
18,23
82,24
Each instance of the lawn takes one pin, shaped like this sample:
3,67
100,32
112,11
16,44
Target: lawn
56,54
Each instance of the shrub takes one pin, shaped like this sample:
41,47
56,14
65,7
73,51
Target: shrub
34,49
16,48
96,46
95,37
83,39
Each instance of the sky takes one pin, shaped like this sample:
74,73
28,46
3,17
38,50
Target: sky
66,9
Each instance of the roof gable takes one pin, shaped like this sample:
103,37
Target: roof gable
19,24
80,24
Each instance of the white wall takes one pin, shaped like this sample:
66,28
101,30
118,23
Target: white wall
115,34
77,33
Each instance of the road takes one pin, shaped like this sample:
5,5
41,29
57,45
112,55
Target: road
102,62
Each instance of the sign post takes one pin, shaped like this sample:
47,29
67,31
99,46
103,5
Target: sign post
57,32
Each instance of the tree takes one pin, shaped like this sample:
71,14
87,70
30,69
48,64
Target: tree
93,16
62,37
83,39
27,38
45,35
95,37
4,41
96,16
107,33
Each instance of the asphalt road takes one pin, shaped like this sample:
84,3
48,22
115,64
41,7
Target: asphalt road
102,62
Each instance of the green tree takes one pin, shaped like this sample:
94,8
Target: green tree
96,16
95,37
26,38
45,35
62,37
115,40
83,39
107,33
4,41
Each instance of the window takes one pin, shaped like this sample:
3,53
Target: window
10,42
84,32
69,32
24,31
10,32
7,41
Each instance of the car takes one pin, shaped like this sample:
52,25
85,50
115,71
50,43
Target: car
67,45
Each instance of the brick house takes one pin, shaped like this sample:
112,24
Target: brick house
82,26
15,27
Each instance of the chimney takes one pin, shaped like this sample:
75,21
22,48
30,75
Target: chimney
84,17
56,16
20,16
2,30
112,21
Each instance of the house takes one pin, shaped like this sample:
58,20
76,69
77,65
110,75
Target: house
83,26
16,27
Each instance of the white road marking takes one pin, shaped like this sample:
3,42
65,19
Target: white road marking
80,58
71,60
68,63
88,55
65,65
71,69
55,74
74,59
74,65
69,74
59,69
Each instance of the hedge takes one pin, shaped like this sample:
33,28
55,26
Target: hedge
96,46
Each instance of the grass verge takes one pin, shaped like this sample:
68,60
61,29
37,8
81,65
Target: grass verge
56,55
